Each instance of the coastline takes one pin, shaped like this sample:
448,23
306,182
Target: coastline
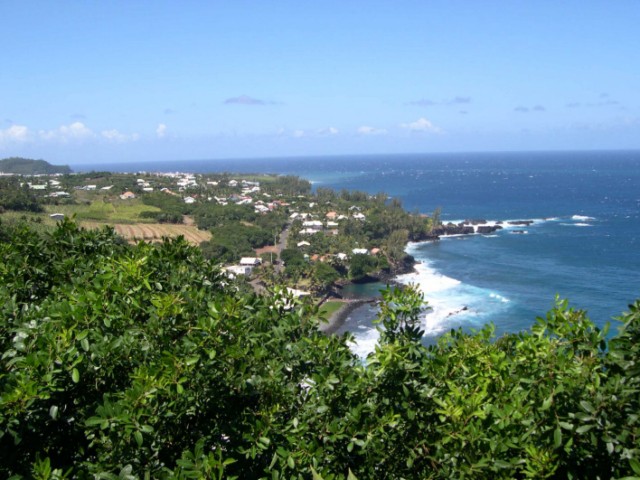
337,319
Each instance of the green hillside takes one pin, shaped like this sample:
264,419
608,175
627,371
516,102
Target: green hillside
26,166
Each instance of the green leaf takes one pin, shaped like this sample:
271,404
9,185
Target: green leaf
291,462
587,406
53,412
75,375
635,465
557,437
546,403
584,428
138,436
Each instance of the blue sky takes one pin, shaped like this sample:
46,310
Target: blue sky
153,80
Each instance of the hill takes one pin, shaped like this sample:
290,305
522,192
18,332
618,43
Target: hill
26,166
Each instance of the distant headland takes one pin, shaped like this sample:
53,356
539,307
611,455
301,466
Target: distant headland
27,166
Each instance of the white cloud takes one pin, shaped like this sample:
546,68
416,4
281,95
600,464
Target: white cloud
328,131
422,125
115,136
298,133
15,133
161,131
75,131
366,130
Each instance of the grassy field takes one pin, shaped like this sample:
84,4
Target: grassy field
329,308
111,211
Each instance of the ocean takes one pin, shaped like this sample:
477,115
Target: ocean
584,243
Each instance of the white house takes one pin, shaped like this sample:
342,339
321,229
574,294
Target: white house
360,251
189,200
250,261
239,270
313,225
303,244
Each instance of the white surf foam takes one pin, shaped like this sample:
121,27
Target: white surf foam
576,224
582,218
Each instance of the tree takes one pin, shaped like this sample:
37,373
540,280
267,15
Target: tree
395,245
324,275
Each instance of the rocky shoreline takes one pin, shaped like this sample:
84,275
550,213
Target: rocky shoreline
467,227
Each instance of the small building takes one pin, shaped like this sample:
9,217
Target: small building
127,195
235,270
359,216
313,225
189,200
303,243
331,215
250,261
56,216
360,251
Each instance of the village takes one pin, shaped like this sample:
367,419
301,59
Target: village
263,230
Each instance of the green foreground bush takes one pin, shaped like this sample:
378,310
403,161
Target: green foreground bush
143,362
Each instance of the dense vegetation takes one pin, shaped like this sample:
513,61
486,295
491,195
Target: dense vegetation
121,361
18,198
26,166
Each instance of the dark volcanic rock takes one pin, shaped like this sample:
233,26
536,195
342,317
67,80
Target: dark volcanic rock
521,222
475,221
485,229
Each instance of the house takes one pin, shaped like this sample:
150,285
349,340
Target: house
359,216
297,293
56,216
108,187
313,225
233,183
303,243
360,251
375,251
37,187
59,194
90,187
189,200
147,189
308,231
331,215
235,270
333,224
127,195
250,261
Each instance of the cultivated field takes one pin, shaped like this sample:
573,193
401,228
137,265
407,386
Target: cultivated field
153,232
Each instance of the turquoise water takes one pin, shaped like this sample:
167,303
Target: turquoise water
584,244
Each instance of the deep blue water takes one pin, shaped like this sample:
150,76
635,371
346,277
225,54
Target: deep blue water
584,246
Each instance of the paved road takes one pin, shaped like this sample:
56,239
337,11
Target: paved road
281,245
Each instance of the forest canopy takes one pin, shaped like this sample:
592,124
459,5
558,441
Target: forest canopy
120,361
